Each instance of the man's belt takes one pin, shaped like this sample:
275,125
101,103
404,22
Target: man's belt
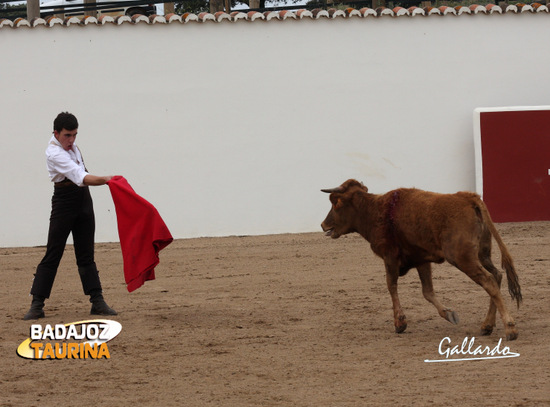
65,183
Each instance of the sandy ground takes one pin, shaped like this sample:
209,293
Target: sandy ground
281,320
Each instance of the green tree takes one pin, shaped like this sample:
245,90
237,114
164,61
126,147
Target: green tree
199,6
12,11
192,6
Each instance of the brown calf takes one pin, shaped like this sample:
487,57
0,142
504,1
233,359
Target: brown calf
411,228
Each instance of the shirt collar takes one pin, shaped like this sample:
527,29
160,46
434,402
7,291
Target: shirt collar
55,142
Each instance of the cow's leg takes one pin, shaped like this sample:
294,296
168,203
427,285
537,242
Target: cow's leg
425,274
475,270
399,319
485,259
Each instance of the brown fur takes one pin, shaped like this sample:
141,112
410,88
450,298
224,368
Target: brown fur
411,228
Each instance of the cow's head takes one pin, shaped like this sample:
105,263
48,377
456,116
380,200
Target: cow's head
342,216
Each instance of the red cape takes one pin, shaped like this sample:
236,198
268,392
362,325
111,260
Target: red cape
142,232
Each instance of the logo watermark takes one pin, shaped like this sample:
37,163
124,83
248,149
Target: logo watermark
469,351
76,340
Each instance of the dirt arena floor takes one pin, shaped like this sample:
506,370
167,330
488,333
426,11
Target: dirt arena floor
280,320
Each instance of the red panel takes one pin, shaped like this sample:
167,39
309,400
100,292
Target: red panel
515,149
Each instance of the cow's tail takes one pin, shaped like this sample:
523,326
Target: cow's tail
507,263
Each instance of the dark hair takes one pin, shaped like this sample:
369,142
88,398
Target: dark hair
65,120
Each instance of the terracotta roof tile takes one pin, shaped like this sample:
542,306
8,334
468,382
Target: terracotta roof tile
4,22
524,7
139,18
476,8
105,19
254,15
493,8
432,10
170,18
336,13
539,7
189,17
156,19
122,19
221,16
351,12
204,17
447,10
71,20
20,22
318,13
238,15
400,11
462,10
88,20
416,11
302,14
284,14
383,11
35,22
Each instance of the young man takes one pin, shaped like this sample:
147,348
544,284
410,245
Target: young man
72,211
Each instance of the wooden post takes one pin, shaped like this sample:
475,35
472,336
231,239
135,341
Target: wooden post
33,9
254,4
228,6
216,5
168,8
92,13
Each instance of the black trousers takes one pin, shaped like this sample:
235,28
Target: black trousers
72,211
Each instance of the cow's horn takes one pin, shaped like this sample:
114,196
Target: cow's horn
331,190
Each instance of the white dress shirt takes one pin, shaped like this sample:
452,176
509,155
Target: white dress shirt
65,164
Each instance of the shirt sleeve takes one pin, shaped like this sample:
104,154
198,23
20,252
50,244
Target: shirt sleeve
62,163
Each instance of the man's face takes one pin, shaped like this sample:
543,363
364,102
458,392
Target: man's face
66,138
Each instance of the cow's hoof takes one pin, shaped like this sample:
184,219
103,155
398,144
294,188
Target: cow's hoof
400,324
486,330
512,333
452,316
399,329
512,336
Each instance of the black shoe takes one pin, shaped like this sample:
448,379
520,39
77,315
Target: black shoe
34,314
101,308
36,311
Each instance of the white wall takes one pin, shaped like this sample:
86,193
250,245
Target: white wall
232,128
